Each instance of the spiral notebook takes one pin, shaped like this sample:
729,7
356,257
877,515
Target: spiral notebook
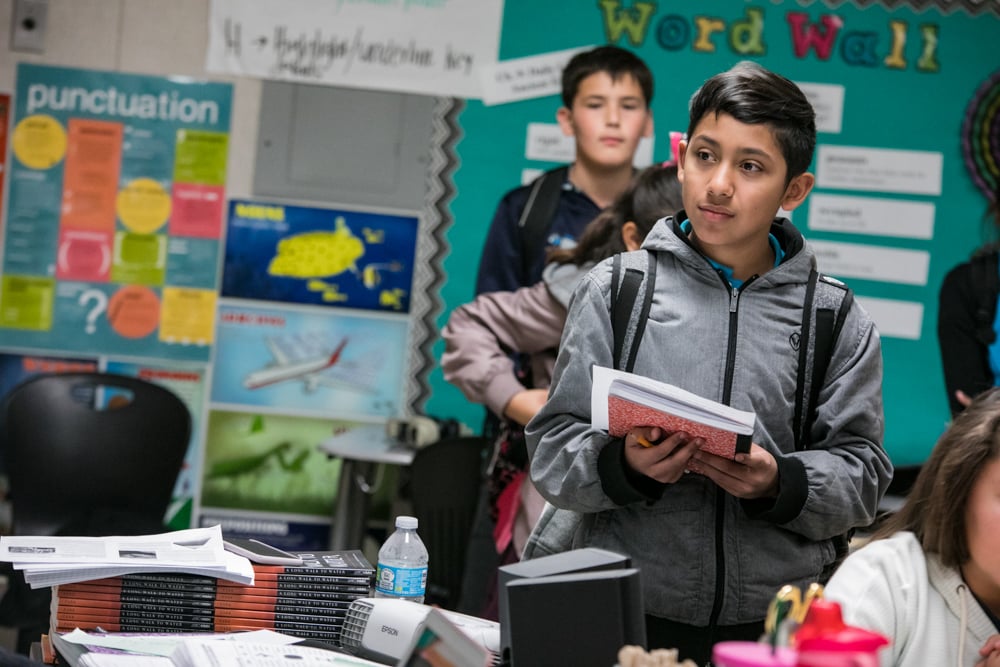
621,401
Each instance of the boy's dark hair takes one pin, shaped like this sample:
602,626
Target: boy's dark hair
653,193
614,60
935,507
754,95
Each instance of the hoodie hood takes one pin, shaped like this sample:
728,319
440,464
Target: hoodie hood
667,236
956,594
561,280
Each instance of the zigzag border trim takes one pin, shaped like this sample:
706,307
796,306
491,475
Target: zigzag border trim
428,271
970,7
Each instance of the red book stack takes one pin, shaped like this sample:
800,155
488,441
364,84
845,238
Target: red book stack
307,601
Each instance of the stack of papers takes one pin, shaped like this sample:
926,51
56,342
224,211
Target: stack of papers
85,649
49,561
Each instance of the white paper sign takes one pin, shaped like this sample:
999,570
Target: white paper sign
879,169
869,215
546,142
895,319
828,101
429,47
870,262
525,78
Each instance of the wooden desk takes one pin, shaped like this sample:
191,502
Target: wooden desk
361,451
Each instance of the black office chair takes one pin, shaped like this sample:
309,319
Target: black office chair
445,478
76,468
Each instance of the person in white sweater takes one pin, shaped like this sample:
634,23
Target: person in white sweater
930,578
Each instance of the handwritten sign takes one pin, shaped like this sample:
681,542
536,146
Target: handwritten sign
526,78
430,47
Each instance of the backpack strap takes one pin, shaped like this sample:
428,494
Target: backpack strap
536,217
824,309
625,285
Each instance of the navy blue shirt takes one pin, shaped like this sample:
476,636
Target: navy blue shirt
500,267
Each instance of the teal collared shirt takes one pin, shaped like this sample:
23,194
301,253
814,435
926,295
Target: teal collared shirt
727,271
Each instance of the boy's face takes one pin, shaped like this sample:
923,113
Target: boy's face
608,118
733,182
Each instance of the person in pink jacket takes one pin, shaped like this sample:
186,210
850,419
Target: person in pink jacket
481,336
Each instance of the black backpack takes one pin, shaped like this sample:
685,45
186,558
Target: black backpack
536,217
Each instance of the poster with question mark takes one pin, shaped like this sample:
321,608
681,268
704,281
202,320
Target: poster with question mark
114,213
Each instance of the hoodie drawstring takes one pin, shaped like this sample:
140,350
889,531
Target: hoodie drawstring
963,622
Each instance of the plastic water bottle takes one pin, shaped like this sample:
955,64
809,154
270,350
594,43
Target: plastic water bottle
402,564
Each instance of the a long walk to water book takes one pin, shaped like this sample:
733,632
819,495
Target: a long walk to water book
621,401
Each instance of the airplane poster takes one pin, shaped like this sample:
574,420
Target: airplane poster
309,361
319,256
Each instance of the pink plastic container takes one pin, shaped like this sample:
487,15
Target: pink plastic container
751,654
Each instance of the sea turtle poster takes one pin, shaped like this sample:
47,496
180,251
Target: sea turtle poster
319,256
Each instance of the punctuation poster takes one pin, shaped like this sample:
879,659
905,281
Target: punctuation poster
114,213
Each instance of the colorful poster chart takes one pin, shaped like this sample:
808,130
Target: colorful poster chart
188,382
309,361
114,213
319,256
258,462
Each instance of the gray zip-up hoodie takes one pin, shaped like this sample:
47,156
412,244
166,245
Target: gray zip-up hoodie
707,557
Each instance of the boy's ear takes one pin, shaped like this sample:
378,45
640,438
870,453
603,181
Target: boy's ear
797,191
648,129
682,148
565,119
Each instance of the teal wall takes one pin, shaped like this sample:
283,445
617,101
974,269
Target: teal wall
883,108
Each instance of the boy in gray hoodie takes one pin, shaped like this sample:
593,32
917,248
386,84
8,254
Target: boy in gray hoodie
715,546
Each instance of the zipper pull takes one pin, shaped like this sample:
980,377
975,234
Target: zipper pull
734,299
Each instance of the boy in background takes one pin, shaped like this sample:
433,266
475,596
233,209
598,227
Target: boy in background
715,546
606,93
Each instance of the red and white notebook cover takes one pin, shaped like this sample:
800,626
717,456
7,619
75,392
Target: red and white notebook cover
621,401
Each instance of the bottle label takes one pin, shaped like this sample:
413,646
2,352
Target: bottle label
404,581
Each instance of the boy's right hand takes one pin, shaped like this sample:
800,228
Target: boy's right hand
665,460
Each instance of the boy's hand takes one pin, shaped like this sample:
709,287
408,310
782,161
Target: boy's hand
751,475
664,460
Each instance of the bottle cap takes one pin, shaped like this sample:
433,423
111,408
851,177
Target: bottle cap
406,522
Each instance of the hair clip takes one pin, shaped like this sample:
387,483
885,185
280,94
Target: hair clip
675,140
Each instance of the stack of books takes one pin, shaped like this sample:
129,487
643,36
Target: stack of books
308,601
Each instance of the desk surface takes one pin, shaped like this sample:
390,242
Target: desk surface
368,443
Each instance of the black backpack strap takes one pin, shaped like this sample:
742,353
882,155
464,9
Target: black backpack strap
824,310
625,285
536,218
800,380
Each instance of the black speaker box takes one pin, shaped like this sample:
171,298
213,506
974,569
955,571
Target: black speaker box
579,619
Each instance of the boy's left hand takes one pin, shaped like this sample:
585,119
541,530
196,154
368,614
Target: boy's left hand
751,475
